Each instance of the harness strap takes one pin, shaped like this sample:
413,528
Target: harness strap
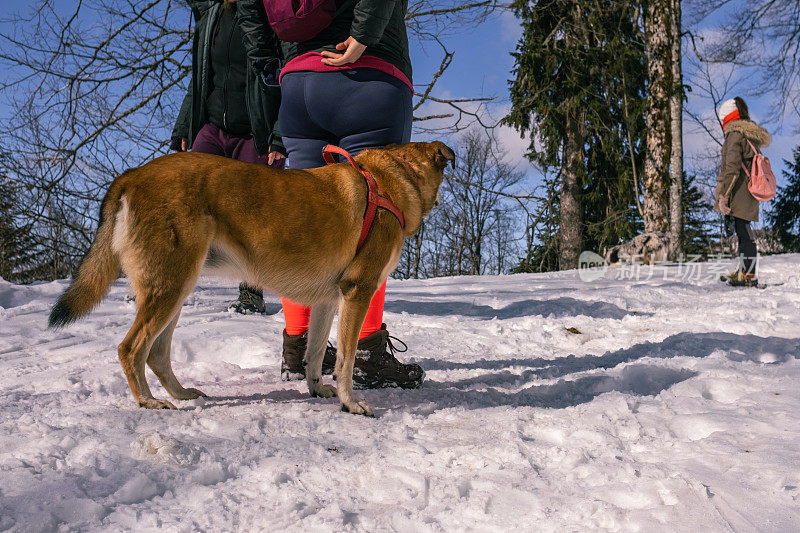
375,196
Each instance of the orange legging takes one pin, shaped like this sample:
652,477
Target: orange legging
297,317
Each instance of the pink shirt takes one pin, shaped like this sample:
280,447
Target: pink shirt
312,61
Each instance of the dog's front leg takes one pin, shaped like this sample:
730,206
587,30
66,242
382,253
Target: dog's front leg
351,317
320,328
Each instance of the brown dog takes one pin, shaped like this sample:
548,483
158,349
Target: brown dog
293,232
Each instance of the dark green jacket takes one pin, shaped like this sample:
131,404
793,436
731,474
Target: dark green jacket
262,101
378,24
732,179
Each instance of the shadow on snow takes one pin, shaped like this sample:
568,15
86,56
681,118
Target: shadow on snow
558,307
491,389
640,379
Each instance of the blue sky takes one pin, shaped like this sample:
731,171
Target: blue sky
481,67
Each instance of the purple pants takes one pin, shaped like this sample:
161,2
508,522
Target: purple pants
212,140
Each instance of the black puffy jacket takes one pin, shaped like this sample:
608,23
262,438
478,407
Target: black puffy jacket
378,24
262,101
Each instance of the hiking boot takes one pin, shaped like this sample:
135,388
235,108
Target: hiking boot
732,275
743,280
250,300
376,367
294,350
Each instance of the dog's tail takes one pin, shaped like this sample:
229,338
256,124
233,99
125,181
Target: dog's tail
98,270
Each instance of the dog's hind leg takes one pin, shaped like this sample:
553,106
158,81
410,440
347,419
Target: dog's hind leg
162,254
160,363
351,316
152,317
158,300
320,328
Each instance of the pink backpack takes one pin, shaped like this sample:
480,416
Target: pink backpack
296,21
762,181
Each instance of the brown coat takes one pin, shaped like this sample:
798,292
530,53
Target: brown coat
732,179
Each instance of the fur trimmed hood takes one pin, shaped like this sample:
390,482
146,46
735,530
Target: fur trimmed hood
755,133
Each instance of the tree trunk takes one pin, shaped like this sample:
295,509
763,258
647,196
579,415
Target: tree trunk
676,116
659,70
570,215
476,258
416,254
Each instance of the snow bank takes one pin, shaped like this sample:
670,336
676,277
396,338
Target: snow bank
663,403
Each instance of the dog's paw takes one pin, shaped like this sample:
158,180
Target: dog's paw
153,403
358,408
322,390
190,394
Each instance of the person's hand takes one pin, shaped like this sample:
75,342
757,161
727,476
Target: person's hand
724,205
352,52
275,156
183,145
268,70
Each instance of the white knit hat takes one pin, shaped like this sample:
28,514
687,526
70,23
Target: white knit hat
727,107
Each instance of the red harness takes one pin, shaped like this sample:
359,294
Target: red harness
375,196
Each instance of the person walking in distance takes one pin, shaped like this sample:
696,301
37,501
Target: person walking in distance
732,196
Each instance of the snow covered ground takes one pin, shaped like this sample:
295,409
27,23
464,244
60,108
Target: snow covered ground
672,404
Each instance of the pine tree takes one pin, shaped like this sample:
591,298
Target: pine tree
784,217
541,235
698,221
579,93
547,101
18,253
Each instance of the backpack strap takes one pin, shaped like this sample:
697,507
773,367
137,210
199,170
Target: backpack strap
754,150
375,196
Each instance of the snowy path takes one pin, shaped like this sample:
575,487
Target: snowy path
673,405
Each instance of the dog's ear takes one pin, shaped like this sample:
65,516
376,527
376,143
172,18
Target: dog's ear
442,154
